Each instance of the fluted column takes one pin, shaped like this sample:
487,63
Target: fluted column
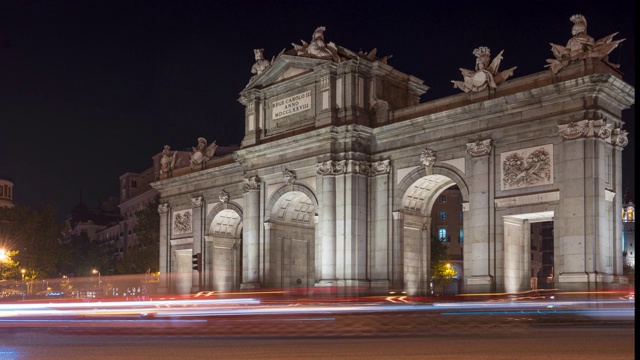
164,284
198,243
328,222
251,234
397,278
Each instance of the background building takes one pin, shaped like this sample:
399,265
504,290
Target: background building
629,231
6,193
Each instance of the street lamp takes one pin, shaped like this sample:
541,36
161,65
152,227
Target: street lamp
23,289
97,272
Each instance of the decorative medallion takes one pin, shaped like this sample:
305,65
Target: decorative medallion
619,137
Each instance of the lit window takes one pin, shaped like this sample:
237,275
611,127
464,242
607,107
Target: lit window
442,234
443,215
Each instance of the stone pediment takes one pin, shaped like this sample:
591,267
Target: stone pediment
284,67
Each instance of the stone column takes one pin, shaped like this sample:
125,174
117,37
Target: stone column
268,260
251,234
397,252
352,227
164,285
328,223
381,248
478,252
198,243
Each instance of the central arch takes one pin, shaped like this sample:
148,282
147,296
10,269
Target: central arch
418,193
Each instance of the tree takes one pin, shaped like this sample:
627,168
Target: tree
442,272
36,236
8,266
145,256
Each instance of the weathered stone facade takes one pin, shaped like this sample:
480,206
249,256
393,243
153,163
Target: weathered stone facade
340,166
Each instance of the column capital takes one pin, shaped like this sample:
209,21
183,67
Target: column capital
197,201
251,183
163,208
479,148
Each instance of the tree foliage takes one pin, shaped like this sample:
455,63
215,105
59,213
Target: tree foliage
442,272
36,236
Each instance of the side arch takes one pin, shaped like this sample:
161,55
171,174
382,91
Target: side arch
283,190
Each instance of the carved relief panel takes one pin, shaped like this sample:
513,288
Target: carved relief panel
527,167
182,222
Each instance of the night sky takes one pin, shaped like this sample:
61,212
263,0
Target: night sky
90,90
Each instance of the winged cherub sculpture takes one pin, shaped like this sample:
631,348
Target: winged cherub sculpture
485,74
202,152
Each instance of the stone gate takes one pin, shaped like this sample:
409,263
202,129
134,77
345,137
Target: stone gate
341,164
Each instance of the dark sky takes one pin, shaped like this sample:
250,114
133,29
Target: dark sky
90,90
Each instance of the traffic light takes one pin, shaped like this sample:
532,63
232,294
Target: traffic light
196,262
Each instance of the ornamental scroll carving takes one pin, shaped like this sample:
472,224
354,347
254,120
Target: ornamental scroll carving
527,167
380,167
479,148
289,176
574,130
353,167
594,128
331,167
251,183
619,137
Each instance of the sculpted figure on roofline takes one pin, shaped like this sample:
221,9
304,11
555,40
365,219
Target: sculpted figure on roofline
581,46
485,75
